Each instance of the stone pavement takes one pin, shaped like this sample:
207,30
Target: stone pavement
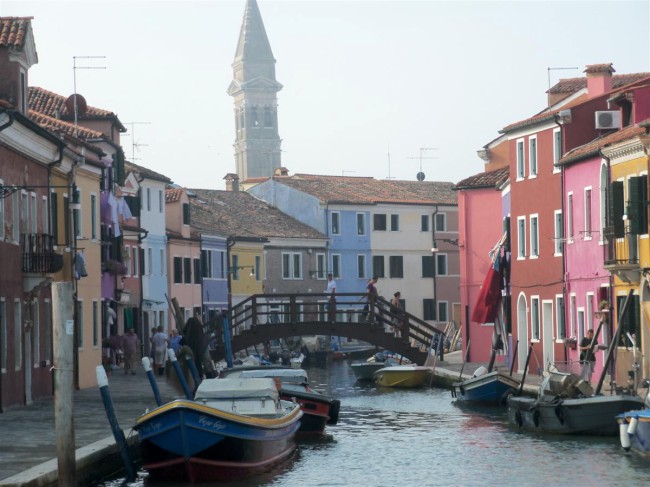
28,450
29,435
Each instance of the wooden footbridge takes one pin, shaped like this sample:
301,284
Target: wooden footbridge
265,317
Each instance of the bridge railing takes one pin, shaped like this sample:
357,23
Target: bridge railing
269,309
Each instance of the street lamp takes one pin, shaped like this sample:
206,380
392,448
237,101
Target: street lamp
452,241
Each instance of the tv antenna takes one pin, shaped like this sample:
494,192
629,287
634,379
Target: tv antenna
74,76
420,175
135,144
548,71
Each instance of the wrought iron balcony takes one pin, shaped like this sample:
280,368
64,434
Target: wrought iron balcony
622,254
38,255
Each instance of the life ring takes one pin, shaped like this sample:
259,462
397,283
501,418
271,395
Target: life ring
536,417
559,412
518,418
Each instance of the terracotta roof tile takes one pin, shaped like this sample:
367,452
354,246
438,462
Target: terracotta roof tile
173,195
599,68
488,179
146,172
369,191
13,31
633,82
571,85
60,126
240,214
53,105
593,148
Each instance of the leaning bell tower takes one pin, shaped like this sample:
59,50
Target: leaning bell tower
254,90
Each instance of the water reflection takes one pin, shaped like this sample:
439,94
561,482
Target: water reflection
420,437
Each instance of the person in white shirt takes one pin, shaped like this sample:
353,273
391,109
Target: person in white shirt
331,302
159,341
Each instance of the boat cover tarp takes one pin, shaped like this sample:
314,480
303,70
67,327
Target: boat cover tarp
286,375
237,389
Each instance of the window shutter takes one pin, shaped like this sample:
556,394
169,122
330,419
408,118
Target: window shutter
427,266
633,205
616,209
506,230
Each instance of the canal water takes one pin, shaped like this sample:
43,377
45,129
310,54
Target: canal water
392,437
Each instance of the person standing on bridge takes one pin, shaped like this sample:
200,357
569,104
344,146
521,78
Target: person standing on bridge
371,296
398,311
330,306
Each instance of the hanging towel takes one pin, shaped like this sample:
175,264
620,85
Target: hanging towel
80,265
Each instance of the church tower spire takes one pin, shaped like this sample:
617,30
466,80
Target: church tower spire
254,89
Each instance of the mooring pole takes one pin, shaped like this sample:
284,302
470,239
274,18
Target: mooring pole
63,325
118,434
189,360
171,355
146,363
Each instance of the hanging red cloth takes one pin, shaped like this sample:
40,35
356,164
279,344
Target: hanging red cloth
487,303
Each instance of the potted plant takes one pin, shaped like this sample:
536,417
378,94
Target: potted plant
114,267
571,343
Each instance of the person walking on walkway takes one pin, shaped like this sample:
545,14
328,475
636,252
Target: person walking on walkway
330,306
130,347
159,341
175,340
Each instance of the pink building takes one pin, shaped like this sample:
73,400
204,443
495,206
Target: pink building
480,209
183,255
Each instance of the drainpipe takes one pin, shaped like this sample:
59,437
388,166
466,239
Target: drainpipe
140,239
230,242
565,294
2,127
435,271
610,294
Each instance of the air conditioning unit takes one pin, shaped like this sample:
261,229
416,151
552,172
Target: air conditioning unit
610,119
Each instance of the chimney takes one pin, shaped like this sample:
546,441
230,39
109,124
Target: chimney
599,79
280,171
17,55
232,182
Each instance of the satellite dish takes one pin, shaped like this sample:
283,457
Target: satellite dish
82,106
420,176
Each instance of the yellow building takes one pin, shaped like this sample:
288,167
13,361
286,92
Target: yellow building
627,250
75,224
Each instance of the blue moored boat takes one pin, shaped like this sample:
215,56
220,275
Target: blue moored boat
634,429
232,429
490,388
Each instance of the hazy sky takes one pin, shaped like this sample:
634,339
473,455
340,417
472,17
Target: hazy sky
362,79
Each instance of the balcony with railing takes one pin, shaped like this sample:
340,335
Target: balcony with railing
622,254
38,255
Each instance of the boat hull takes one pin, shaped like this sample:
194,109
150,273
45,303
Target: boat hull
318,409
184,440
401,376
492,389
640,438
366,370
594,415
